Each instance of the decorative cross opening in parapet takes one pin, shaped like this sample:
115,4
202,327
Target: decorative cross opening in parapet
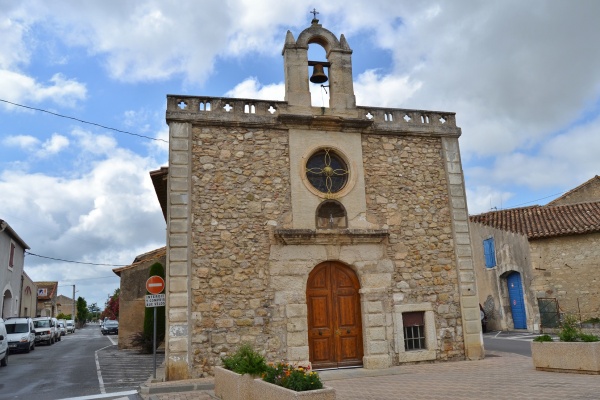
442,120
249,108
272,109
182,105
406,118
369,115
228,107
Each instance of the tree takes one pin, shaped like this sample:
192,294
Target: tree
94,311
155,269
82,311
111,308
63,316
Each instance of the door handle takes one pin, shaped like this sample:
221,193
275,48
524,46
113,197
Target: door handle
320,332
347,330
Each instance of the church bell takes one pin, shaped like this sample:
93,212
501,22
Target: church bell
318,75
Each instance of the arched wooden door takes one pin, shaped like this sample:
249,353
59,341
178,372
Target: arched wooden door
334,318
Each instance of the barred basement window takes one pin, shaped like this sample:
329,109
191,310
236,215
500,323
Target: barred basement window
414,330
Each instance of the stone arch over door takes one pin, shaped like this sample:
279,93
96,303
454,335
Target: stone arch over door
334,316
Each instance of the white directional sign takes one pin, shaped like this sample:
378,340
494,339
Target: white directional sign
155,300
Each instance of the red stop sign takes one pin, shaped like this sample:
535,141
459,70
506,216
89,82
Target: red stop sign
155,284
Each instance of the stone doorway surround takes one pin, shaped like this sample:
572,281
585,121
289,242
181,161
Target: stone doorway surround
291,262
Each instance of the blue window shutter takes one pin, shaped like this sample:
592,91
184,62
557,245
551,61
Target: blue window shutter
489,252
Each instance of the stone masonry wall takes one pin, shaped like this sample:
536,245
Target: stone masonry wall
407,193
568,268
240,190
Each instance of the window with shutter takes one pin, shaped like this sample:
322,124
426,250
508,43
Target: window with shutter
489,252
11,260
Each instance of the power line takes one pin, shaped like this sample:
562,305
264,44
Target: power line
543,198
75,262
83,121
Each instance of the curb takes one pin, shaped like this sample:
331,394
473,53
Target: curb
175,388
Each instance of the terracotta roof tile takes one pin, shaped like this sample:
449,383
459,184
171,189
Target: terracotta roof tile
151,255
545,221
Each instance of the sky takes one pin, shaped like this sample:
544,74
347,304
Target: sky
522,77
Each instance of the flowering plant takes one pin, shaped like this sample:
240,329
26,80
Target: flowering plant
291,377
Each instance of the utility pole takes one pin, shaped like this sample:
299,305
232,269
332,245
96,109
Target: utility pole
73,314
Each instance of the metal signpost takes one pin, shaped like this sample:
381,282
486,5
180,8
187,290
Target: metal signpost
155,285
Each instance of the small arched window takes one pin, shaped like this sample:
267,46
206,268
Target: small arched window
331,214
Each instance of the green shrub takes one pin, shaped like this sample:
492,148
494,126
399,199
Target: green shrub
543,338
570,330
594,320
588,338
297,378
245,361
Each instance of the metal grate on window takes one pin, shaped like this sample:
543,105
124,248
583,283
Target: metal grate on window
414,331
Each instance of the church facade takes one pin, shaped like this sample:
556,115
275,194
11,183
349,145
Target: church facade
336,236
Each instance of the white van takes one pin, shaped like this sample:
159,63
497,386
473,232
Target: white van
3,344
21,335
45,329
70,326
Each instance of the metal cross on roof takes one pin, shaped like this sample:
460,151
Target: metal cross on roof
314,12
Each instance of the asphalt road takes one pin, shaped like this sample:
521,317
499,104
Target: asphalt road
83,365
510,342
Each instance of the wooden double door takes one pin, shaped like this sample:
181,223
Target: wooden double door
334,317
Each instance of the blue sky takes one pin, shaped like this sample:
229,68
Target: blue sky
521,76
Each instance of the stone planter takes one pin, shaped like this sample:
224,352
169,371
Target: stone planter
232,386
262,390
576,357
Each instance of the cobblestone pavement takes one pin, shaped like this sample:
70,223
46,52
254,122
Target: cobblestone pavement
498,376
125,369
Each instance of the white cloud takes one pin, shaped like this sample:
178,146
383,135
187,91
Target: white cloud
54,145
373,89
26,142
105,213
250,88
486,198
19,88
51,146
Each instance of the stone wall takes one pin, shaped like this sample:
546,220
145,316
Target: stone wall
568,268
132,304
240,189
512,254
407,193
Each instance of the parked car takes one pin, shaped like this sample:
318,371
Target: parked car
57,337
62,329
21,334
3,344
109,327
70,326
45,329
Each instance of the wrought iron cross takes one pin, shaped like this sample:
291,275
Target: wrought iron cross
314,12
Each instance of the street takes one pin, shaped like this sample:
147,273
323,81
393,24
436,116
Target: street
85,363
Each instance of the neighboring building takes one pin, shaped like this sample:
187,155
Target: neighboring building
46,299
332,235
533,262
28,297
132,305
12,259
65,305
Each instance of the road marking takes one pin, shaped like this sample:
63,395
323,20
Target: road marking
102,390
102,396
112,340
